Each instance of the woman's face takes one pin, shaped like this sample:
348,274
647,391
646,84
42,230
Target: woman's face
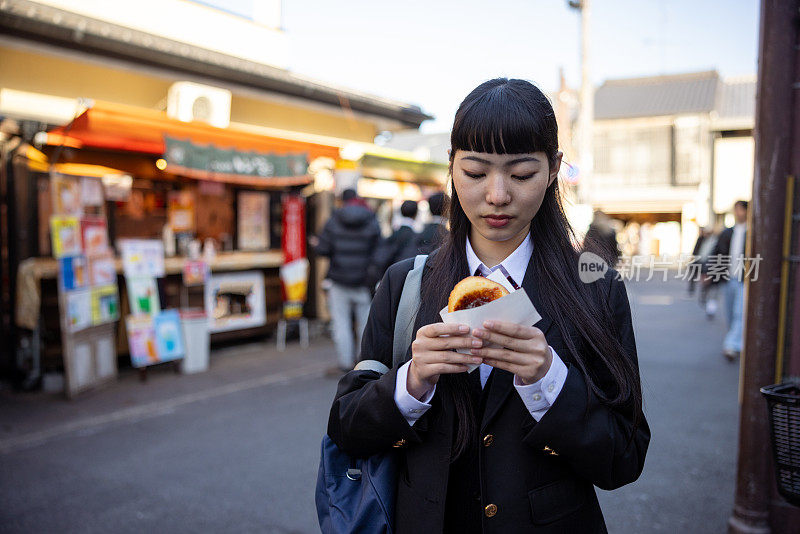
501,193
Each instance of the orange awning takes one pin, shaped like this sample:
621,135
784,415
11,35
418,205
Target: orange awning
132,129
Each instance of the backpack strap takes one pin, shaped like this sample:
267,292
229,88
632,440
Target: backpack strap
407,311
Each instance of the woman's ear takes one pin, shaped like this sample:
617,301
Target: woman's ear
556,168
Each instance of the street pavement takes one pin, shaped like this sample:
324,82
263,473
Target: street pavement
236,449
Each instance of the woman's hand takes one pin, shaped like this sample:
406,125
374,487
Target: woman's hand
432,355
523,349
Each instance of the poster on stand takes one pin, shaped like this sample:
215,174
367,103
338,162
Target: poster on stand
79,309
253,220
66,193
94,234
102,270
234,301
73,272
91,192
142,294
105,304
143,257
169,336
66,236
141,340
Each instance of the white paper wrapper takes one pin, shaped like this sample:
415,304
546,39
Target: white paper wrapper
515,307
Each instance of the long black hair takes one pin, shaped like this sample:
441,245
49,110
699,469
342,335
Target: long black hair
505,116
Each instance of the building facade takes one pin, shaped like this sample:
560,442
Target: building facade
671,154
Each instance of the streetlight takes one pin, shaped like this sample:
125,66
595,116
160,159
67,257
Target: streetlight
586,115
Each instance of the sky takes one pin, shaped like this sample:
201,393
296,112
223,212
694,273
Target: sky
432,53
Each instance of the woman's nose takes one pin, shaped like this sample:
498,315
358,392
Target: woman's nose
497,193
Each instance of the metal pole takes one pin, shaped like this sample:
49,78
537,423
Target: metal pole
775,108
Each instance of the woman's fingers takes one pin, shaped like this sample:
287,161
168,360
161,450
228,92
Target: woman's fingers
448,368
487,336
513,330
501,364
446,356
450,343
503,355
442,329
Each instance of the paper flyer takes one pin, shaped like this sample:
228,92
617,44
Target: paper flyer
79,309
73,272
102,270
105,304
65,233
169,336
141,340
66,193
91,191
143,257
142,294
94,232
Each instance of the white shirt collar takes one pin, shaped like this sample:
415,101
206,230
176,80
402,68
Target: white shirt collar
515,264
405,221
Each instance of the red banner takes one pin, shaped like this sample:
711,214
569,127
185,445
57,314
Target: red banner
293,236
294,272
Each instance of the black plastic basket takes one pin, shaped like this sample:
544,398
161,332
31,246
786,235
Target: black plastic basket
783,402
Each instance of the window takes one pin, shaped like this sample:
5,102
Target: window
633,156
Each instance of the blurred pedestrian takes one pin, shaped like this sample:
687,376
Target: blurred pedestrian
518,444
703,248
348,239
730,249
400,245
431,234
601,238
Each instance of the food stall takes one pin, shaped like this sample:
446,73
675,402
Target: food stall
207,194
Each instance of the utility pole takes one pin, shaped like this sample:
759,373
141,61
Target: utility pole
757,507
586,115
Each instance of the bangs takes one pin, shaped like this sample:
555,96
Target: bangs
504,121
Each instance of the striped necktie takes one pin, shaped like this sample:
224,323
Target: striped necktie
508,276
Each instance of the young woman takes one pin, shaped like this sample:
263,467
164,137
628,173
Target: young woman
518,444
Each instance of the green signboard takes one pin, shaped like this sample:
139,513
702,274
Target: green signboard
220,161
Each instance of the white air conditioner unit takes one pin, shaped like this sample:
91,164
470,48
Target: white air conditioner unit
187,101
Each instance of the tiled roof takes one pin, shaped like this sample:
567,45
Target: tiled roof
657,95
737,98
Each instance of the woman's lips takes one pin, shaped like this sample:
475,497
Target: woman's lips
497,221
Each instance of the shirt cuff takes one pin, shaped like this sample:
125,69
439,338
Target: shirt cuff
410,408
540,396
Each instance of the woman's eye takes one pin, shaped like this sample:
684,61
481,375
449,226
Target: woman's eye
523,177
474,174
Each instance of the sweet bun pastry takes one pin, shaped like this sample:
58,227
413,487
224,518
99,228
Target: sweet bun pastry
474,291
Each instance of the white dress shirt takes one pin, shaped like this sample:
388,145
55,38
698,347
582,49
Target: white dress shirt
537,397
737,250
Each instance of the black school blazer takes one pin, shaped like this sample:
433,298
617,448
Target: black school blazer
539,475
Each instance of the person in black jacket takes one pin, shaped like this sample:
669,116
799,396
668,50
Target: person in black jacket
554,408
349,239
601,238
431,233
400,245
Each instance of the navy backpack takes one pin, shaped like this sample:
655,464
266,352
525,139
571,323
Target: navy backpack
357,495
